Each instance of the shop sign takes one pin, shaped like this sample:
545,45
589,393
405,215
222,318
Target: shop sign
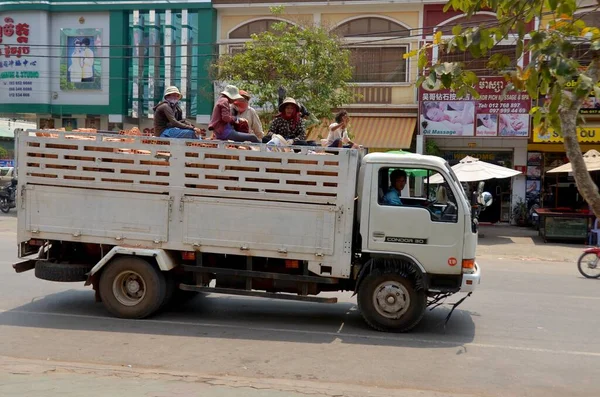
22,59
591,105
585,134
494,113
490,157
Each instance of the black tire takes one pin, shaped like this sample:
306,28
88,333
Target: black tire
583,265
64,272
121,301
408,317
4,205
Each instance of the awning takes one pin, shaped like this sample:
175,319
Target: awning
375,132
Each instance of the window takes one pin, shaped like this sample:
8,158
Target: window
410,188
479,65
372,27
379,65
374,64
247,30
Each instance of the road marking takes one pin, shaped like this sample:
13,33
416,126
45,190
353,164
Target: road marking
321,333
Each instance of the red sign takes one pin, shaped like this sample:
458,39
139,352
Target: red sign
494,113
521,168
9,29
452,262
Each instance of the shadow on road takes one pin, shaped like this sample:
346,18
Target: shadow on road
220,316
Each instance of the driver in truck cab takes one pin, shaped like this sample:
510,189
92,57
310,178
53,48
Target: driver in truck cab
397,182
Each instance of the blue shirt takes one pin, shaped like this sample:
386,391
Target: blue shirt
392,198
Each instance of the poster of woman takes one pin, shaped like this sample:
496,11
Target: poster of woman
81,68
455,118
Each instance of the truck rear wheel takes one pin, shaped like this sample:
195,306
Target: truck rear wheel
389,302
130,287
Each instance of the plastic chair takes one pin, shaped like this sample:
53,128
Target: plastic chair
595,231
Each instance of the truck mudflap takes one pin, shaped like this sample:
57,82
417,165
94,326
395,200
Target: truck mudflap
470,281
164,260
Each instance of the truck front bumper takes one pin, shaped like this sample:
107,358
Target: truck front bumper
470,281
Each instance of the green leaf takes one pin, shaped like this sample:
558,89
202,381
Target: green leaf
519,49
538,38
555,100
595,46
431,80
456,30
423,60
552,4
521,29
532,84
446,80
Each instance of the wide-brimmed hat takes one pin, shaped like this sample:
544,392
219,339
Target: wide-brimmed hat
245,95
232,92
172,90
287,101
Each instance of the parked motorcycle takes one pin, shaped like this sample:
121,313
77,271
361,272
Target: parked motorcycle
8,196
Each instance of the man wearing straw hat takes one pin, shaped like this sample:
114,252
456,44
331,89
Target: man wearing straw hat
168,118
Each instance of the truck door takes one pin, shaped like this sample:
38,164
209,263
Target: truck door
427,225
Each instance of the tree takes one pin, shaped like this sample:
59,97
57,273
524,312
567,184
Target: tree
555,78
306,60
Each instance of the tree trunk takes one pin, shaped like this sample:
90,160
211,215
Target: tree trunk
586,186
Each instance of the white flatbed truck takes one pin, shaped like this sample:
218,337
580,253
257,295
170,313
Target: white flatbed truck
149,222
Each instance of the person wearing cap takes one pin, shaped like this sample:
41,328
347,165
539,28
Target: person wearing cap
221,121
241,108
168,118
288,123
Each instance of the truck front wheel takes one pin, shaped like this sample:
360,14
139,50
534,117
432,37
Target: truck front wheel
389,302
130,287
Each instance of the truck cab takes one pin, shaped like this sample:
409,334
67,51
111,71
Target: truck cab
428,234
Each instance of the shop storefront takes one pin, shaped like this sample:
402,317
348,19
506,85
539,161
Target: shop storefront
105,64
493,128
547,152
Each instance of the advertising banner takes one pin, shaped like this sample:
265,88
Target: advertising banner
585,134
24,58
492,114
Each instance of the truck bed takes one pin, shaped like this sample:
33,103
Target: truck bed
207,196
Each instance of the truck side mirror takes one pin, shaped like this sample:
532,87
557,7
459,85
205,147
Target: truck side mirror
485,199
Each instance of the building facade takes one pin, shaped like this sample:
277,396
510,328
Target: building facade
486,131
104,64
377,33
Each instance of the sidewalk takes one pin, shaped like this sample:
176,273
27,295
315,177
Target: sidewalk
513,242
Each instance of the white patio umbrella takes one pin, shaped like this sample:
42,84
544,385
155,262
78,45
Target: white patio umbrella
591,160
471,169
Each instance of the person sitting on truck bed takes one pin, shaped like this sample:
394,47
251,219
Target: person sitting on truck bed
397,182
168,118
221,121
288,123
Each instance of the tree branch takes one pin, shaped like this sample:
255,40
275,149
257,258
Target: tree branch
568,117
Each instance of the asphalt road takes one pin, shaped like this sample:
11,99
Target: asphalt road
530,330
